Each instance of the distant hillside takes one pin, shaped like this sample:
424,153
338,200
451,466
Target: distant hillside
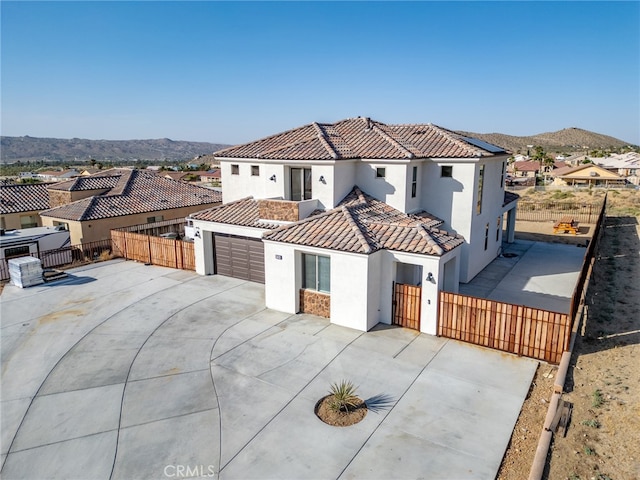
51,150
565,140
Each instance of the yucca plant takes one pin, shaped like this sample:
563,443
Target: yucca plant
343,396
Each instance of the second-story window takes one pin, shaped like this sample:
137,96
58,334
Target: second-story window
414,182
504,167
486,236
235,169
446,171
380,172
255,171
480,182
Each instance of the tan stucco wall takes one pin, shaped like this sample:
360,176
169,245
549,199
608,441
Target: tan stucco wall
12,220
94,230
586,172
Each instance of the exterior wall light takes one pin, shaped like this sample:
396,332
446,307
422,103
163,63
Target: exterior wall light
273,177
322,180
430,278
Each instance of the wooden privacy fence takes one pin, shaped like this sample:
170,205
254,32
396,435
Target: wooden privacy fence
525,331
551,211
166,252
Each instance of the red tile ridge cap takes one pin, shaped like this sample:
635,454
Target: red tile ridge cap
430,241
324,141
284,147
452,136
392,141
356,230
360,195
123,183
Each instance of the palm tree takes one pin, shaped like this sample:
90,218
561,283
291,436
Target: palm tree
541,157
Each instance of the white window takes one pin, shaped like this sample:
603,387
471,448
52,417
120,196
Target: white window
480,182
486,236
414,182
317,273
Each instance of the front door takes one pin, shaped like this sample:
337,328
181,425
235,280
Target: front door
406,305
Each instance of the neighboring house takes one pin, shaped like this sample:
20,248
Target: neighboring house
528,168
174,175
90,207
586,175
531,168
20,205
186,176
214,175
57,176
625,165
90,171
331,216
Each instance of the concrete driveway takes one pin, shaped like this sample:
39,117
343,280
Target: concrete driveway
130,371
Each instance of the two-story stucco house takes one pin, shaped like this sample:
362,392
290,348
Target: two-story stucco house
333,217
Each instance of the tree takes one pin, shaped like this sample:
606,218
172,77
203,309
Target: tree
540,156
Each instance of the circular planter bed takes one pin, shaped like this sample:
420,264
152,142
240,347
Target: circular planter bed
341,417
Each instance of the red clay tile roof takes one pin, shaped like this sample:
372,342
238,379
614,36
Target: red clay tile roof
526,166
362,224
243,212
23,198
361,138
136,191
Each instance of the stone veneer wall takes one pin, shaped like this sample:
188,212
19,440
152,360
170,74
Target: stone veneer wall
281,210
58,198
315,303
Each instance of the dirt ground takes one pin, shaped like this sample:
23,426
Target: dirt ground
603,382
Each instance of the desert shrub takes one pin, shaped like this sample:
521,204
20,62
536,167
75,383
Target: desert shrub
343,396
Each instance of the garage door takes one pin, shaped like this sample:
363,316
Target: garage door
239,257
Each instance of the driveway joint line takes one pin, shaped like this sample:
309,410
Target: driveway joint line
171,417
287,404
133,361
405,347
391,410
59,362
62,441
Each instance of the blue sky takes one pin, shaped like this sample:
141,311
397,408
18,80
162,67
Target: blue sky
232,72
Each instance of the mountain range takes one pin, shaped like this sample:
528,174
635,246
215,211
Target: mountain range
52,150
566,140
